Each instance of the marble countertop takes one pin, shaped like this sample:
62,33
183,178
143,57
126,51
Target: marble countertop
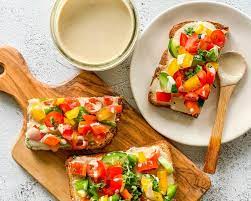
25,25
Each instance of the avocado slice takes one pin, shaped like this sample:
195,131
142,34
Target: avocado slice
115,158
173,48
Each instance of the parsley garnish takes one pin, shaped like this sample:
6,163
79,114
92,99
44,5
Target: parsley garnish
82,111
189,31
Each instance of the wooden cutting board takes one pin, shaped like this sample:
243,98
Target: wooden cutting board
47,167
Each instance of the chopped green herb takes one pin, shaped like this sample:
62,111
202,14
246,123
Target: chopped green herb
212,55
174,89
50,109
109,123
82,111
189,31
198,69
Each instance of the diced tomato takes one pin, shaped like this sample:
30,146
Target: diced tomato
108,191
203,92
191,96
96,172
126,195
163,97
98,129
89,118
77,168
108,100
150,164
183,39
179,73
206,43
93,100
193,107
211,75
112,171
84,129
51,140
179,77
116,108
202,75
53,119
218,38
116,182
67,133
192,44
64,107
92,107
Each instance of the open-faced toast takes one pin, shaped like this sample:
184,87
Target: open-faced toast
143,173
72,123
187,69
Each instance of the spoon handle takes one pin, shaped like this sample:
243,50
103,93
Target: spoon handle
216,134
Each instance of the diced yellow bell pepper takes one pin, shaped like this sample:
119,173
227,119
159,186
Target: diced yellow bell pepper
215,65
141,157
69,121
103,198
182,50
192,83
173,67
163,183
60,101
199,29
208,32
72,114
104,114
157,196
188,60
37,112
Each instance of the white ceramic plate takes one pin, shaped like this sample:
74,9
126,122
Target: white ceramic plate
153,42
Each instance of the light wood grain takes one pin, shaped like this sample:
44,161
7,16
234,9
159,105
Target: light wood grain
213,150
48,168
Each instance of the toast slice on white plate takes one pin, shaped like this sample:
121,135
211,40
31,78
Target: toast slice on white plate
187,69
140,173
84,123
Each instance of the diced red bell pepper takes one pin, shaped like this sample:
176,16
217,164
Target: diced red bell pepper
204,91
126,195
206,43
112,171
218,38
150,164
116,182
98,172
84,129
202,75
99,129
64,107
108,100
192,44
193,107
53,119
183,39
77,168
191,96
211,75
89,118
163,97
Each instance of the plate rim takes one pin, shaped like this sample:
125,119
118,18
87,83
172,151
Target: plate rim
226,140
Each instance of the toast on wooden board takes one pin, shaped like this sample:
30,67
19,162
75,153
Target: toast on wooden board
84,123
187,69
140,173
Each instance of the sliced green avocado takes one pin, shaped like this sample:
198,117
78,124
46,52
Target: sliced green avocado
171,191
114,158
173,48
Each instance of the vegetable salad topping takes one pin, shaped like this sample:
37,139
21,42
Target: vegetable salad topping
72,123
124,176
192,67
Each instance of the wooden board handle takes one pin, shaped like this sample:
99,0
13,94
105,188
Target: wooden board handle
216,134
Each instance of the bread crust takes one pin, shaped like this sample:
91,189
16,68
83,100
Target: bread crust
161,143
164,60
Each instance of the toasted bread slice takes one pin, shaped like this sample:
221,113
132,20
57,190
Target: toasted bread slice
177,101
85,123
76,172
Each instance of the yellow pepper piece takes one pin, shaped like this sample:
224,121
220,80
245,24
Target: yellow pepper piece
208,32
60,101
69,121
192,83
103,198
104,114
188,60
72,114
199,29
37,112
163,183
182,50
141,157
215,65
157,196
173,67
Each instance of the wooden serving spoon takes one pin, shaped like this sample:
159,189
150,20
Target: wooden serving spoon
232,67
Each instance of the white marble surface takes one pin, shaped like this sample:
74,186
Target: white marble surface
25,25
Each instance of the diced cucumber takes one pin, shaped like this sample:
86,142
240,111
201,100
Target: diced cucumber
81,184
109,123
168,166
163,80
114,158
173,48
115,197
171,191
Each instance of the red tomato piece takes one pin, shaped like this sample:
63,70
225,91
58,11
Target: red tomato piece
89,118
51,140
183,39
116,182
202,75
116,108
211,75
192,44
98,129
53,118
150,164
64,107
83,130
163,97
108,100
206,43
204,91
112,171
218,38
193,107
97,171
67,133
191,96
77,168
108,191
